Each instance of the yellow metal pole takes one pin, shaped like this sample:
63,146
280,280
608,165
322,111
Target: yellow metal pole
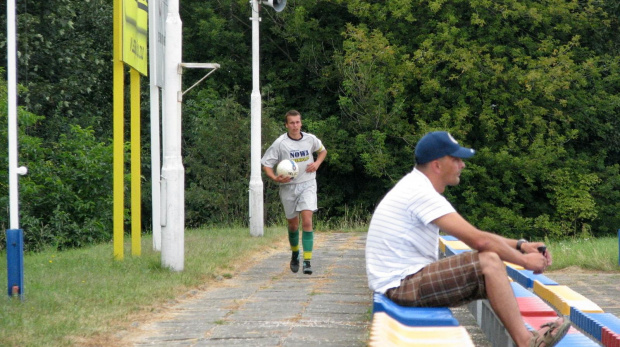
118,133
136,223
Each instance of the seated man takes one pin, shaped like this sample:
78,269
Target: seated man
403,241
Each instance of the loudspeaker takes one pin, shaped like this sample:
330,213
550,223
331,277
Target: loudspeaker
277,5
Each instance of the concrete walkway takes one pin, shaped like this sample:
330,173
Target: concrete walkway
268,305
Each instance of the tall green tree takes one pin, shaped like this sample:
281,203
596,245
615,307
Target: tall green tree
64,63
509,78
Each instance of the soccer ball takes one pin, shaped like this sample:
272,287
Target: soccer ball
287,168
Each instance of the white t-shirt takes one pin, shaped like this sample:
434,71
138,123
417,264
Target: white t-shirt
401,238
300,151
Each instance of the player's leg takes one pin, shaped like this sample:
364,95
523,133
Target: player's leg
289,202
306,205
307,239
293,239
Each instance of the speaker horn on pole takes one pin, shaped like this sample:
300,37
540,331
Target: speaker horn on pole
277,5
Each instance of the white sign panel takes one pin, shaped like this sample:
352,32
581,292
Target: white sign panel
161,8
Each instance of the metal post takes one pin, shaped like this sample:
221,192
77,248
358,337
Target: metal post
118,162
15,262
256,183
14,236
154,30
173,173
12,116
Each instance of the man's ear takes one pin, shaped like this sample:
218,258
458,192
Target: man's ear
435,165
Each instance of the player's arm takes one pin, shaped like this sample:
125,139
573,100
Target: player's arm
483,241
271,174
319,159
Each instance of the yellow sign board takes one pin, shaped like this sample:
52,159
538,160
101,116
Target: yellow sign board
135,34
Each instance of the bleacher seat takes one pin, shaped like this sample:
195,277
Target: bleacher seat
527,277
563,298
610,338
387,332
414,316
593,323
454,247
576,340
521,292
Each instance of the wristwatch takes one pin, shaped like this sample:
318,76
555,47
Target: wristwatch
519,243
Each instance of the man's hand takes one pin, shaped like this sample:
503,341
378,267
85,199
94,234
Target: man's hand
535,247
536,262
312,167
282,179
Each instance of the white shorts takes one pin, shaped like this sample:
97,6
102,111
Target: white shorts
298,197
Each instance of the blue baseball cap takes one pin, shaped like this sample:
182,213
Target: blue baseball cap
437,144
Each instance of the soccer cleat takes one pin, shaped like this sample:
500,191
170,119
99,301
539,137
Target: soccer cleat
307,267
295,263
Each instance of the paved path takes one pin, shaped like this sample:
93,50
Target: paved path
267,305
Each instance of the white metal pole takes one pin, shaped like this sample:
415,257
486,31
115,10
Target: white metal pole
12,115
172,247
155,152
256,183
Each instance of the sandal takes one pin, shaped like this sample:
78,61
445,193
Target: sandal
553,335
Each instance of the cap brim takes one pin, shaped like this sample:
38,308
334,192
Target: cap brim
464,153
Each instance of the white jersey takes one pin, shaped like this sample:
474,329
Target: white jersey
300,151
401,238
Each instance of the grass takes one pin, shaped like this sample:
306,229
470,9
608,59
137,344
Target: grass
597,254
82,294
74,295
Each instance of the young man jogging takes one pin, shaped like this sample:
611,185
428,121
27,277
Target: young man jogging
298,195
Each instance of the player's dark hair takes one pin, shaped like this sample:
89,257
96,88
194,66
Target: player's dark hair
291,113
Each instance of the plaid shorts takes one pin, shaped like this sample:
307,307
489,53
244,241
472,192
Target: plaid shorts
451,281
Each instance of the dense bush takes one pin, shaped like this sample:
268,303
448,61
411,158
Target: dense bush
66,198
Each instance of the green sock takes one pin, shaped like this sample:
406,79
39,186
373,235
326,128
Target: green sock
307,240
293,239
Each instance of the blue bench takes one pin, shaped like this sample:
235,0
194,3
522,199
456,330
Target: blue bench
414,316
527,277
593,323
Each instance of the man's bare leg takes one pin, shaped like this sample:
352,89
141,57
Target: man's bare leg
502,298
